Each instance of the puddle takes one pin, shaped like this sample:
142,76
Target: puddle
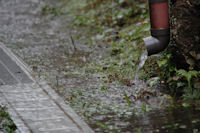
44,43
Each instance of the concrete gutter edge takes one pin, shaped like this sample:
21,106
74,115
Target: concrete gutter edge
49,91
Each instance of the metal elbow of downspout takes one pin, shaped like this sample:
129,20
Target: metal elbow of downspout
160,32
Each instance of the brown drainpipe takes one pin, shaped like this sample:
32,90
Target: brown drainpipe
160,32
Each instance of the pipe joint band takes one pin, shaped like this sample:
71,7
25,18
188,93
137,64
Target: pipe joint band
160,32
157,1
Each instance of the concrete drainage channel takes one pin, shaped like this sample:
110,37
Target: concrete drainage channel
32,104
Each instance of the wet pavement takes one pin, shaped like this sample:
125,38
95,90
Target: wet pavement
10,72
33,105
71,67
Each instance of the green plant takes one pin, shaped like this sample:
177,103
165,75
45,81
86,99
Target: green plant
188,75
6,123
144,108
191,94
101,124
127,99
175,78
165,65
139,130
47,9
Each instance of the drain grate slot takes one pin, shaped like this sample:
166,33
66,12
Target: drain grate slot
10,72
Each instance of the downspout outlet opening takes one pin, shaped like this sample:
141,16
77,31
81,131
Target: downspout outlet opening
155,45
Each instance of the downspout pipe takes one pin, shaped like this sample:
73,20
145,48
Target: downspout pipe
160,31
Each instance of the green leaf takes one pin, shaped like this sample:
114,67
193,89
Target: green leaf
153,81
79,92
180,84
162,63
139,130
127,99
193,73
100,124
103,88
188,75
186,105
84,104
144,108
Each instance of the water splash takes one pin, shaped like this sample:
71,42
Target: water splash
143,58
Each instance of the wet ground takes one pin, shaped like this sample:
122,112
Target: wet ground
72,68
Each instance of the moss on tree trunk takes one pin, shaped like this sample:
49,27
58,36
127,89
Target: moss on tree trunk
185,33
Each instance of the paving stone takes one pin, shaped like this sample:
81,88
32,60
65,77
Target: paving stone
55,125
37,96
38,110
34,106
23,129
40,113
21,88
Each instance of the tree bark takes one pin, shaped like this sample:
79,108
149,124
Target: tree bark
185,33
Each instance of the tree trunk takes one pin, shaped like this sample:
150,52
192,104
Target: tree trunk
185,33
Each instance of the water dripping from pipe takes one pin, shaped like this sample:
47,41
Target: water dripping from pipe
143,58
